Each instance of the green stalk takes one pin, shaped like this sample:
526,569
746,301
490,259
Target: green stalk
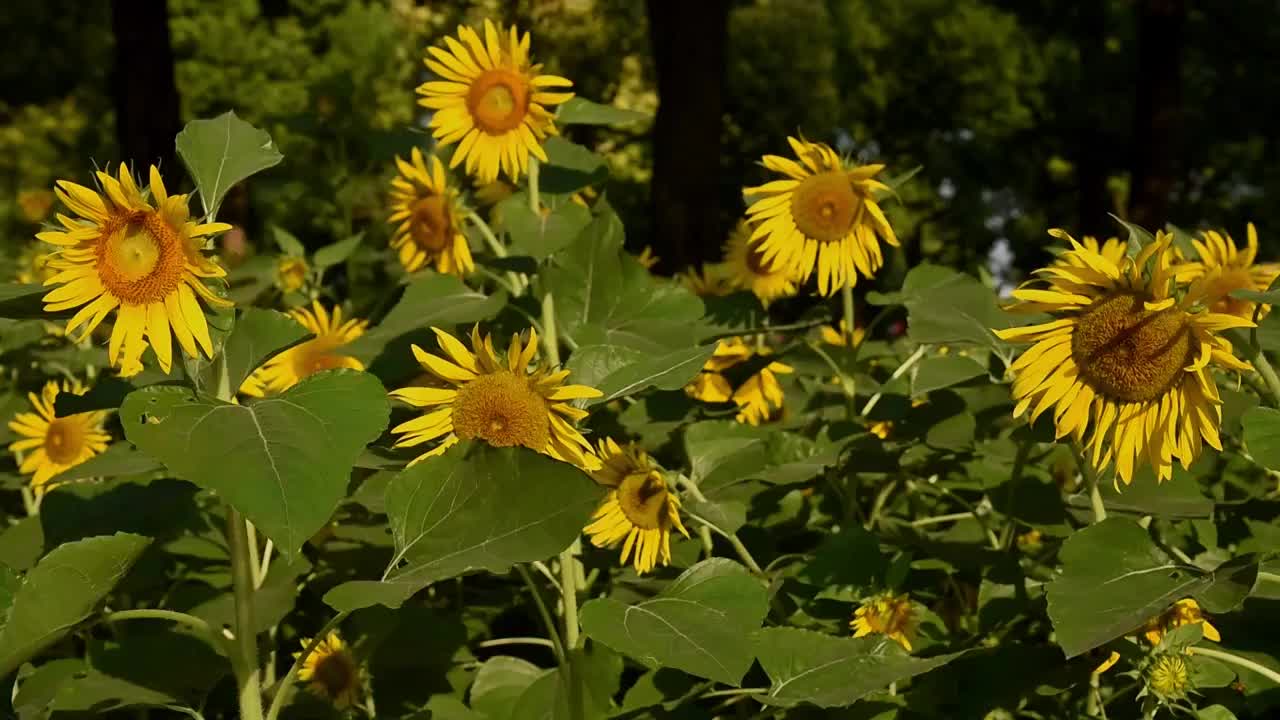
1234,659
248,671
535,203
846,384
1268,373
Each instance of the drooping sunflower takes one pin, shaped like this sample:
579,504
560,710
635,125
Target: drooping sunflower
505,402
1125,363
427,217
51,444
640,511
144,261
1183,612
1223,267
492,100
322,352
758,397
823,216
331,671
886,614
745,268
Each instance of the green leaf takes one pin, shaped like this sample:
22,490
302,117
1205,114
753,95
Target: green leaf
22,302
118,459
724,453
1207,672
671,371
500,682
434,299
258,335
1230,583
570,167
1262,436
577,111
288,243
539,236
274,599
453,514
221,152
805,666
946,306
292,453
1113,579
106,394
593,676
1215,712
61,591
701,623
936,373
338,252
1266,297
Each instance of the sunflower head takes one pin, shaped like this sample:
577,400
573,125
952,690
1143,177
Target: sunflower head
322,352
492,100
1184,612
1125,361
759,396
841,337
640,511
48,444
1169,676
886,614
141,256
745,268
291,273
1221,268
504,401
821,215
427,218
708,280
331,672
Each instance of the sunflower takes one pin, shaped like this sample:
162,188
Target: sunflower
1125,364
321,352
639,508
430,221
886,614
330,671
52,444
291,273
1169,676
493,100
504,402
840,335
145,262
1113,248
1183,612
745,268
757,397
33,265
761,395
1223,267
706,280
823,216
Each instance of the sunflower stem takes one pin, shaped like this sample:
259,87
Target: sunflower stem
1268,373
515,280
248,670
191,621
902,370
846,300
285,691
1095,494
1233,659
557,647
535,202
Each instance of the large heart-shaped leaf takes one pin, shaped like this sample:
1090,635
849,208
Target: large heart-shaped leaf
620,371
434,299
283,461
701,623
221,152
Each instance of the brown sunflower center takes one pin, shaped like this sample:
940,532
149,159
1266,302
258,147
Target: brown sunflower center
141,258
63,441
643,499
336,672
498,100
503,410
431,224
825,206
1129,353
756,262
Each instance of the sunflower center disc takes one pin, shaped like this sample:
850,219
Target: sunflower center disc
141,260
503,410
1129,353
431,225
643,498
336,673
824,206
498,101
62,441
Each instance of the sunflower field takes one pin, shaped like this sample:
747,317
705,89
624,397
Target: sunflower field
481,461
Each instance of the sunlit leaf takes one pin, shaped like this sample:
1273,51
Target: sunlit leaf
221,152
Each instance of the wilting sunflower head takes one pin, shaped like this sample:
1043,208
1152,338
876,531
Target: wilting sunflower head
1184,612
331,672
1169,676
492,100
1126,362
322,352
886,614
1222,268
427,218
707,280
504,401
291,273
640,511
822,216
49,444
145,261
746,269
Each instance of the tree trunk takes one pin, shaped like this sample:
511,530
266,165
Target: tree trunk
1091,153
1157,110
146,95
689,53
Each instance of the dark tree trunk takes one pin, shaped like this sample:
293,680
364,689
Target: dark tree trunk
689,53
1092,153
146,95
1157,110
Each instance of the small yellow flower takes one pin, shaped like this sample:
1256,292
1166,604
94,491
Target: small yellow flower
647,258
1030,540
1169,676
51,444
1184,612
881,429
291,273
640,509
841,337
331,672
886,614
33,265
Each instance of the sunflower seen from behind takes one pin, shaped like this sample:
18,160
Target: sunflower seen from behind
322,352
822,217
640,512
492,101
504,400
140,257
1126,364
1223,268
48,444
745,268
427,218
331,672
